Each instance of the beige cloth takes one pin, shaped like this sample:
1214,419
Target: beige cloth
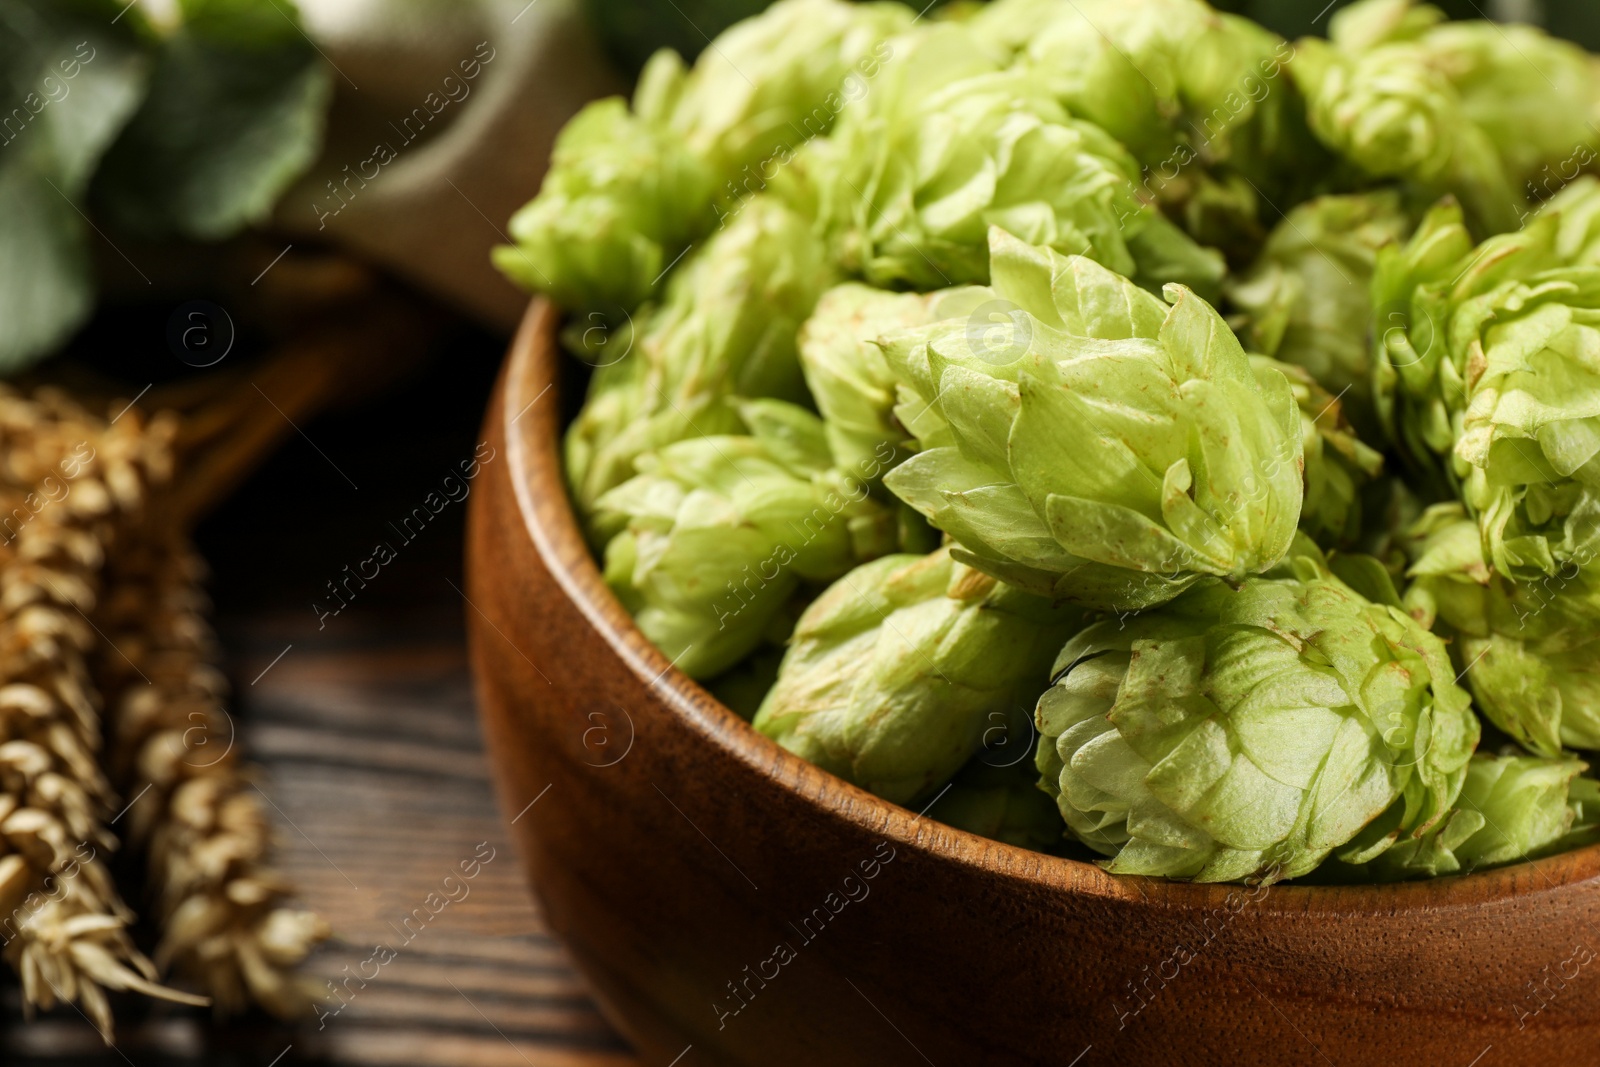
443,117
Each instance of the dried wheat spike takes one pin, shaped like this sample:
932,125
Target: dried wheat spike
69,482
225,920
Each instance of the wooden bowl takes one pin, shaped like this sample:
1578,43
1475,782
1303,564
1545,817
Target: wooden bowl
732,904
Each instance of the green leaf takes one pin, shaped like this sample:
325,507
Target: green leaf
234,115
71,78
45,287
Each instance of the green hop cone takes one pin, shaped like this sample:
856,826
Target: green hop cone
1148,71
1511,808
769,83
1307,300
1544,692
1103,447
718,533
1534,95
1529,650
725,328
1199,98
1394,115
622,198
848,375
943,145
1001,803
906,667
1483,373
1496,115
742,688
1338,464
1418,385
1363,25
629,190
1237,733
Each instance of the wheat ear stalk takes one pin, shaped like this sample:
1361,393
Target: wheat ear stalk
69,481
226,924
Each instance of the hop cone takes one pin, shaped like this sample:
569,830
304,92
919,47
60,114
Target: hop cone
628,191
1484,376
1103,447
1003,803
1533,94
943,145
770,83
717,534
900,672
1529,651
848,375
1307,299
1469,108
726,328
1201,99
1251,731
622,198
1511,808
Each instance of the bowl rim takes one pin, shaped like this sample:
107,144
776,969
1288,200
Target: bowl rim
532,432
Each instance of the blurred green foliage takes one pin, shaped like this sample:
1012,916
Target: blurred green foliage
187,128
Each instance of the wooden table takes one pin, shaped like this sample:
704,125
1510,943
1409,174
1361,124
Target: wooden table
372,764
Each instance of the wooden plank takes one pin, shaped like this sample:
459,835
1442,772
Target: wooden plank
370,759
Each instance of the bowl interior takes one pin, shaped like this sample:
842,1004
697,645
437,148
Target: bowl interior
534,421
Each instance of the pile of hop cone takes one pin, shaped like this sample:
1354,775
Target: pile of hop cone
112,728
1108,423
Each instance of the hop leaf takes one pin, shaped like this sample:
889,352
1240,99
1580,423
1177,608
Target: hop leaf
1248,732
906,667
46,281
234,115
718,533
1108,449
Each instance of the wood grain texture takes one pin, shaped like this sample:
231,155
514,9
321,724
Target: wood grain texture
370,755
681,874
379,777
372,764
